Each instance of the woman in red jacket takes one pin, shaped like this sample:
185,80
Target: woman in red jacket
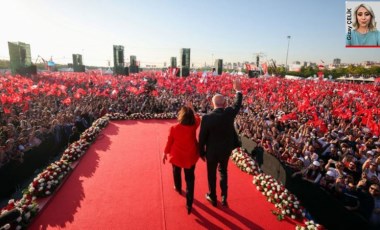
182,151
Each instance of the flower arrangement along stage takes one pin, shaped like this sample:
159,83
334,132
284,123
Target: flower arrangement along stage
141,116
78,148
91,133
50,178
310,225
26,206
286,203
47,181
75,150
244,162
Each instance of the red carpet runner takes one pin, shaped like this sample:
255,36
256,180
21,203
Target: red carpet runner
121,183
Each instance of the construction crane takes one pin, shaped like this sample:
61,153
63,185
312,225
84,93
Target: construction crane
48,64
39,59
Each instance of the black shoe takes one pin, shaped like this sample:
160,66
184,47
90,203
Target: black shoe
224,202
208,198
178,190
188,210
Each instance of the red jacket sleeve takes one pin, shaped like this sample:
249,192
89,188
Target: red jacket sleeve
170,141
197,120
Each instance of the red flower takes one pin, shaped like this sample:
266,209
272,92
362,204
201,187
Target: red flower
10,206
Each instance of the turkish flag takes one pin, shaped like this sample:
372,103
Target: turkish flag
77,95
132,89
4,99
114,93
25,107
6,110
290,116
67,101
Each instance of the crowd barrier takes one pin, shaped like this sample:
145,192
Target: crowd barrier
14,174
322,206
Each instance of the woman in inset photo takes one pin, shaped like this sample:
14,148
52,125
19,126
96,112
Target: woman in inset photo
365,32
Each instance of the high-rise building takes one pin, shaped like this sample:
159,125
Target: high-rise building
185,62
133,66
173,62
133,60
336,61
219,66
118,59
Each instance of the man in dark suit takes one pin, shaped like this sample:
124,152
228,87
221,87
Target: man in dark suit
217,138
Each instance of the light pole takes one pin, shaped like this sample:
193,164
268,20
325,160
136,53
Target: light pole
287,53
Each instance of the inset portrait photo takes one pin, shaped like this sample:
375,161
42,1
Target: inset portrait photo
361,24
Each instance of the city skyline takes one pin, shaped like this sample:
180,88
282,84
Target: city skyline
156,31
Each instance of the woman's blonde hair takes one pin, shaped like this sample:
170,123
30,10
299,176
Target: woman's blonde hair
372,23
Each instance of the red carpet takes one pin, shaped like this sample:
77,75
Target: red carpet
121,183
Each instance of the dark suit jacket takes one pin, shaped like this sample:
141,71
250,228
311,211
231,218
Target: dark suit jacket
217,137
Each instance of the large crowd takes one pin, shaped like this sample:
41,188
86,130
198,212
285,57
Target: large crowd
327,132
65,104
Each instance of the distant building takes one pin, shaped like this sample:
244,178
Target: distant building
185,62
173,62
336,61
296,67
218,66
133,65
369,64
311,64
118,59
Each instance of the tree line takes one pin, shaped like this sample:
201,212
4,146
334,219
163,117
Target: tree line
335,73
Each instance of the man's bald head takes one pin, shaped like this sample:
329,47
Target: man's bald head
218,101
